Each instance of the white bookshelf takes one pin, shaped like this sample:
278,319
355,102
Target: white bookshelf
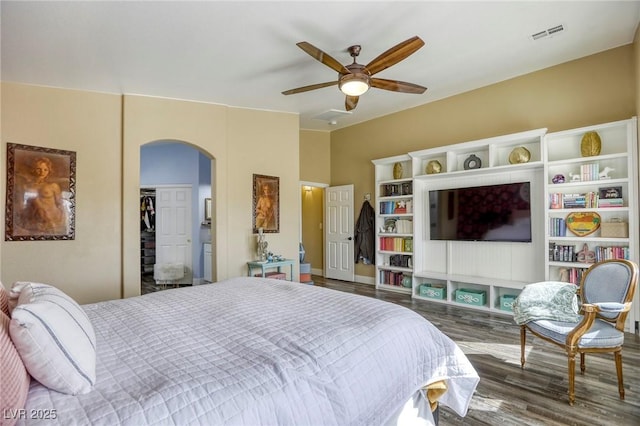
563,157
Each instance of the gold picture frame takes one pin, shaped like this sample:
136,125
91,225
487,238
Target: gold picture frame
41,193
266,204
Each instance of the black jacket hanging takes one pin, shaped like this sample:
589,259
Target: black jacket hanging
365,234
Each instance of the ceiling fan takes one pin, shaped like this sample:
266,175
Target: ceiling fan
355,79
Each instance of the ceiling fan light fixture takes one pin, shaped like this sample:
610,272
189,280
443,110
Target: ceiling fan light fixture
354,84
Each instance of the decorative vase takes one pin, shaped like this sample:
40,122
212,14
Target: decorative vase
590,144
397,171
472,162
406,281
433,167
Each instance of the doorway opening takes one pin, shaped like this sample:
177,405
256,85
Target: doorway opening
176,173
311,230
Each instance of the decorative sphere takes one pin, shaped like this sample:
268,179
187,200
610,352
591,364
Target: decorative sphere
433,167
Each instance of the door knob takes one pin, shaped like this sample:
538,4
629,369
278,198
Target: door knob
349,238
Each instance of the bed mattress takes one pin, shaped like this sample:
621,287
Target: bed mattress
257,351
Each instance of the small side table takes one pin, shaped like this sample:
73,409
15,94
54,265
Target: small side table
263,266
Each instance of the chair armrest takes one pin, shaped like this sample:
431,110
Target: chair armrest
573,337
613,307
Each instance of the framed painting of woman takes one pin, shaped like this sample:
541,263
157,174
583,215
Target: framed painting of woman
41,186
266,204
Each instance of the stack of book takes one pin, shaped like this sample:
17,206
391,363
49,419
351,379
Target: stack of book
610,197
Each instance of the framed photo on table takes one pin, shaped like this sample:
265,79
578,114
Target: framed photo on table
40,197
266,204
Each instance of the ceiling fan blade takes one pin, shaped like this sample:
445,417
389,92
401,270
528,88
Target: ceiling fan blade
395,55
310,87
397,86
323,57
351,102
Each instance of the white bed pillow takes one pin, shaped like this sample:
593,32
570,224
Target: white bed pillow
54,338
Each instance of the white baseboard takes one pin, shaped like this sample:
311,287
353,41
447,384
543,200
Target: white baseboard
363,279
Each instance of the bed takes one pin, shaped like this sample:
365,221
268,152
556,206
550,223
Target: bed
258,351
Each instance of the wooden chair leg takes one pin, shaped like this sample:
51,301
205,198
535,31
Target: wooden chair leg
618,357
572,377
582,363
523,341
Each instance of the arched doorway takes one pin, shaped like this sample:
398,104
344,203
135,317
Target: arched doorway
165,166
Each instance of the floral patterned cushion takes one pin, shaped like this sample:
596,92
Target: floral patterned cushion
549,300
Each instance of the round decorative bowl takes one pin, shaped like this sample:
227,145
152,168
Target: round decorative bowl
519,155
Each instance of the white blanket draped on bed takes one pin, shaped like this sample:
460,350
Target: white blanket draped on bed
257,351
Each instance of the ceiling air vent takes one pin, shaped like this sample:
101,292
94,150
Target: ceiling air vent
331,116
549,32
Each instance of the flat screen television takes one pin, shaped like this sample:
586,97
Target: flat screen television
481,213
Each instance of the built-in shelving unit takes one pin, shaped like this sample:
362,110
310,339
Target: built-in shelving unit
394,223
476,274
601,187
488,275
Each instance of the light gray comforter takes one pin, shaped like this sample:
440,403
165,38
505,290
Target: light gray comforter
256,351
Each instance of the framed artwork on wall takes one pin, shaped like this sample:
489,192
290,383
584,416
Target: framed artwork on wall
41,193
266,203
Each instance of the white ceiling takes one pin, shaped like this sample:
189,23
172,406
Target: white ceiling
244,54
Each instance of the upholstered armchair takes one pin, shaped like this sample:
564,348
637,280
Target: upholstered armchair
604,299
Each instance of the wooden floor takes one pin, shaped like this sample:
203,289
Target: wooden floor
537,395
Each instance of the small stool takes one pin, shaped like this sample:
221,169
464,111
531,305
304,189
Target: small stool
168,274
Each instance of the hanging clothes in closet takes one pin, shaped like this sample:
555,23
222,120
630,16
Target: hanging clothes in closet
147,212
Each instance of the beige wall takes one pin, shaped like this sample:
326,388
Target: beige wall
89,267
240,142
592,90
106,131
315,167
315,156
264,143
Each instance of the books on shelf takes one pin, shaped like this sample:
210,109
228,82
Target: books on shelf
610,196
569,253
572,275
396,207
393,278
589,172
557,227
587,200
396,244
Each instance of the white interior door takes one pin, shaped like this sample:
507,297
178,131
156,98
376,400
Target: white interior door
173,228
339,237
